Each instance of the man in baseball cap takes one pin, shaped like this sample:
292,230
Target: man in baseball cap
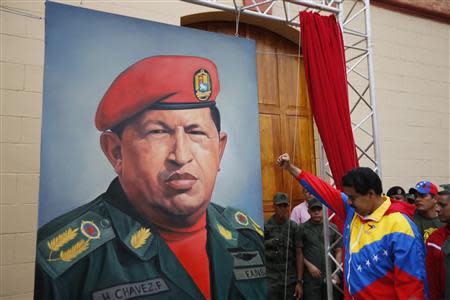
425,216
155,233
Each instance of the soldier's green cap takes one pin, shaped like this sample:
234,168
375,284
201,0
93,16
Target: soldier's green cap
280,198
314,203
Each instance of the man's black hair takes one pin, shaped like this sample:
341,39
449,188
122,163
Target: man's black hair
444,193
119,128
363,180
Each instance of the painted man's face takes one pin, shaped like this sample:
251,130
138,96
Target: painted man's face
170,160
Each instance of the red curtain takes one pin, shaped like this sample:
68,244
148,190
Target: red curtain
324,60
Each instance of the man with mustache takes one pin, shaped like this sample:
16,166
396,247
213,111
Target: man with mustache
384,255
154,233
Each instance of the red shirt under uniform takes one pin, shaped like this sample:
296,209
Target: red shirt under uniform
189,246
435,263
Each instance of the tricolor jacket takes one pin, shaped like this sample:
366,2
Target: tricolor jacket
384,252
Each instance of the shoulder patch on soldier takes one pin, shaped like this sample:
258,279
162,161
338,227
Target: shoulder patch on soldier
66,246
241,221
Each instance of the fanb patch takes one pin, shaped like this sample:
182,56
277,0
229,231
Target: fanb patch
202,85
250,273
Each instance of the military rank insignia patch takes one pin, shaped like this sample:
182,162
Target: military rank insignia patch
60,240
228,235
241,218
202,85
72,252
62,249
55,244
140,237
258,228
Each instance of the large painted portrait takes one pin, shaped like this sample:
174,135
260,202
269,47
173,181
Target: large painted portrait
150,183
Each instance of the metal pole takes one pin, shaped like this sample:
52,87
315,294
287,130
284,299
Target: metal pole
373,101
326,229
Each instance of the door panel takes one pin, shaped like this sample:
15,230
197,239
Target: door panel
285,117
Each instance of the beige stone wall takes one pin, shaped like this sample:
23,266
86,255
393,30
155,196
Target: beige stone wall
412,83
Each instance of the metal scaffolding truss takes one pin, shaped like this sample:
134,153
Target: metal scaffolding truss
354,18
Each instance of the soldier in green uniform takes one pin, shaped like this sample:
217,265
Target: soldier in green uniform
311,241
154,234
283,255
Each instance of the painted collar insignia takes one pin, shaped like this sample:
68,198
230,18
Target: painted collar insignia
241,218
140,237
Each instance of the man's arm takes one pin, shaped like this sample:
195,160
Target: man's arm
325,193
312,269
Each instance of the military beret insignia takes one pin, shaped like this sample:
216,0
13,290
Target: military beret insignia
241,218
139,238
202,85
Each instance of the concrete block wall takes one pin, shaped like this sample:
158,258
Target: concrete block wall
21,66
412,75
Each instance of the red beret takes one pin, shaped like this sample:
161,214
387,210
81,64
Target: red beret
162,82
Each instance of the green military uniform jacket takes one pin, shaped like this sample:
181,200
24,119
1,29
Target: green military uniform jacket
311,241
105,251
426,226
276,243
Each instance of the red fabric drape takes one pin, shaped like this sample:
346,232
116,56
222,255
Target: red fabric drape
324,60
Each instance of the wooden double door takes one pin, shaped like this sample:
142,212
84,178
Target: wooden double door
285,118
